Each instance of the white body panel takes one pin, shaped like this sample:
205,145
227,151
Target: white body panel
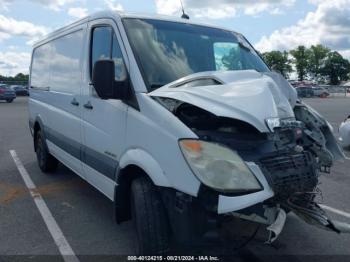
344,132
70,161
156,132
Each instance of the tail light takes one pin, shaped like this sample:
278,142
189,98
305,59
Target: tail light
2,91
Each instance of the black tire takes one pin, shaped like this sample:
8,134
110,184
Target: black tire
46,161
149,217
9,100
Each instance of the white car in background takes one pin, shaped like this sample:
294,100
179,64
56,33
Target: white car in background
320,91
344,132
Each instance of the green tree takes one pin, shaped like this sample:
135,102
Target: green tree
317,56
301,58
18,79
336,68
278,61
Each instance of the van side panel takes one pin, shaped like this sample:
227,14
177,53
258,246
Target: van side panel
55,95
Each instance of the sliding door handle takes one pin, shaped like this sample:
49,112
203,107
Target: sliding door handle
74,102
88,105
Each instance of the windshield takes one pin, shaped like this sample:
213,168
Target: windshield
167,51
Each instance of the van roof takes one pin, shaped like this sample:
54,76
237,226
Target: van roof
120,14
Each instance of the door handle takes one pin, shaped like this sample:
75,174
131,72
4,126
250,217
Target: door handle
74,102
88,105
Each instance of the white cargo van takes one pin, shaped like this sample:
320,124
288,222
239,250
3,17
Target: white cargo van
182,125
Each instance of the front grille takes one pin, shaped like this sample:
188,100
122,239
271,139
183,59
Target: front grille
281,163
290,173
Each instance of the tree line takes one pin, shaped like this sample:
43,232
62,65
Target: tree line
317,62
19,79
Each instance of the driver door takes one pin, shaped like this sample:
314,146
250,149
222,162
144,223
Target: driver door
103,121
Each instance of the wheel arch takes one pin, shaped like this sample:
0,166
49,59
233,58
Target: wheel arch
133,164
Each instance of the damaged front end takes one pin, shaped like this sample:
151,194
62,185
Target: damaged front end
287,141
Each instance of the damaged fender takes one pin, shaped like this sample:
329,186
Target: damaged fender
319,131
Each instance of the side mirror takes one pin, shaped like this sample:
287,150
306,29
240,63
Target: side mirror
103,80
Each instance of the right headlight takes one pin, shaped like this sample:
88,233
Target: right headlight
219,167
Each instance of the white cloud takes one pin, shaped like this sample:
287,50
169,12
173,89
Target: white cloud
4,36
277,11
78,12
55,5
273,7
12,63
10,27
114,5
329,25
345,53
221,8
4,4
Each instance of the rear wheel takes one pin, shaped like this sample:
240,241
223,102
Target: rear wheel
9,100
46,161
149,217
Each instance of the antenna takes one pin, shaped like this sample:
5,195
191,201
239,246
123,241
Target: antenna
184,15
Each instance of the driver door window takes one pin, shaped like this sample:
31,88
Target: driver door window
105,46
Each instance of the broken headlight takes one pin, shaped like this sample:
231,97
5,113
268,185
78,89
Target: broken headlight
219,167
272,123
275,122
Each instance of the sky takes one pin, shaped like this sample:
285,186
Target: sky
267,24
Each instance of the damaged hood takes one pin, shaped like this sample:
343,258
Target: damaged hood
246,95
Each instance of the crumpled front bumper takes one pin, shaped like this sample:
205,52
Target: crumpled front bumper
281,175
297,192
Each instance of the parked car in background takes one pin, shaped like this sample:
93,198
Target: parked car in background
301,83
344,133
305,91
20,90
7,94
320,91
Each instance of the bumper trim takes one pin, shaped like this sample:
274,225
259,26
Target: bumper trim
276,227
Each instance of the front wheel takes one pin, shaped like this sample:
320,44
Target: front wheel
150,219
46,161
9,100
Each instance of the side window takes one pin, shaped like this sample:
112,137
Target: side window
101,44
65,68
117,56
227,56
40,74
